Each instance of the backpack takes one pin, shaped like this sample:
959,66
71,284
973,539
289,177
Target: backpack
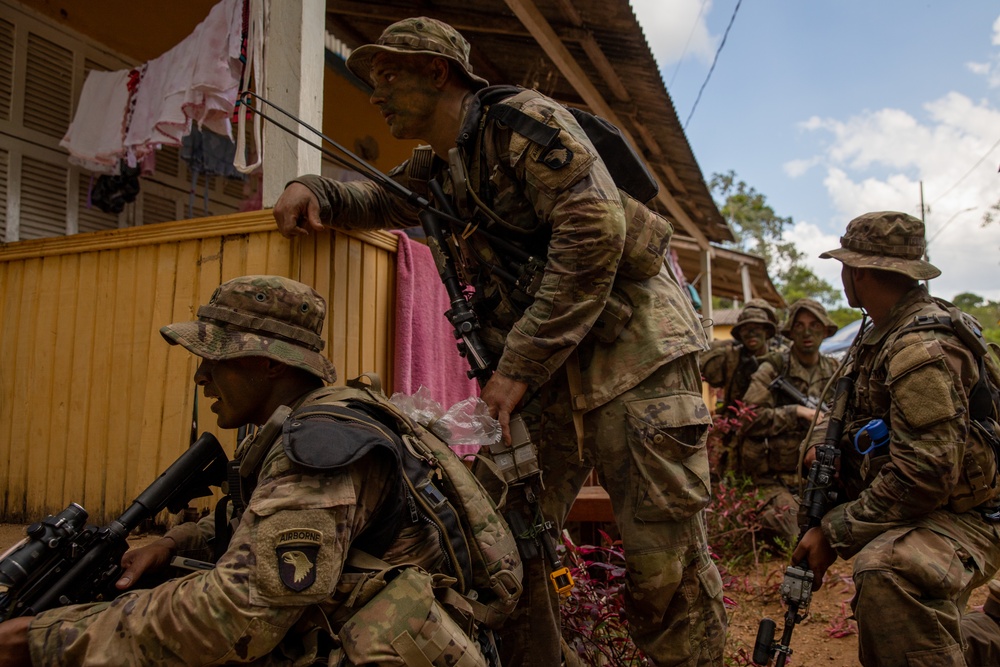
623,162
437,487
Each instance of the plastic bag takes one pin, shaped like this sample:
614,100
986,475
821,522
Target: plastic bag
465,424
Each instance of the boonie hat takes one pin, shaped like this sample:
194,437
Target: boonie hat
259,316
886,240
420,35
756,311
816,309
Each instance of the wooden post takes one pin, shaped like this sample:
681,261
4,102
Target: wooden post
293,80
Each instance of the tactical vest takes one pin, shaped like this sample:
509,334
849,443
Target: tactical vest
979,483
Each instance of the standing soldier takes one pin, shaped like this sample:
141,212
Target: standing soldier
603,354
768,450
920,515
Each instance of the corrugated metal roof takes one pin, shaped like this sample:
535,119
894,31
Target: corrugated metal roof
604,40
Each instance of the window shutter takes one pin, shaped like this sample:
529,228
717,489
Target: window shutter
6,68
48,87
4,161
158,209
43,199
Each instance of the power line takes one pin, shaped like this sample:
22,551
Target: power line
714,60
687,43
967,174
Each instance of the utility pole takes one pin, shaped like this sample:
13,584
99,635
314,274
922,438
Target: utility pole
923,219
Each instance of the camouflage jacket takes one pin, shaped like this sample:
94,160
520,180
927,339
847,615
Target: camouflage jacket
918,382
569,213
726,365
770,443
284,562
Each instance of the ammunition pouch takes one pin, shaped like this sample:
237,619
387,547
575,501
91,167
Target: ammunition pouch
406,616
647,236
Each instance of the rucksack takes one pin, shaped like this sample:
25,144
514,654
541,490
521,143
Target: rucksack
438,488
623,162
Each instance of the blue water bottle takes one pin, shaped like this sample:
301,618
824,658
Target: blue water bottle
878,436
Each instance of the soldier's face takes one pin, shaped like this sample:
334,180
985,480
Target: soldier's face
753,338
807,331
847,278
240,389
404,92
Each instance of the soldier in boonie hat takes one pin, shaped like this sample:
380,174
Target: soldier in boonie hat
756,311
886,240
259,316
417,36
816,309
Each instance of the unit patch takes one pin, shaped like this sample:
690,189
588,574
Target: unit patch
557,157
297,550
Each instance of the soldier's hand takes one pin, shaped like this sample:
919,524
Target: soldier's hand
14,642
802,412
816,550
297,211
149,558
501,395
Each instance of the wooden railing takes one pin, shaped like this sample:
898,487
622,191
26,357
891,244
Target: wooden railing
93,403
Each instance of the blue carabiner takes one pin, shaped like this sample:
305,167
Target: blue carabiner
878,435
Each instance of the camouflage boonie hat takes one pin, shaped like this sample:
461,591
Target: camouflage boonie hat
816,309
886,240
259,316
420,35
756,311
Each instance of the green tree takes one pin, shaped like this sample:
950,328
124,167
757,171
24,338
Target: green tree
760,230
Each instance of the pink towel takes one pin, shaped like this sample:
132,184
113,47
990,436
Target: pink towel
426,352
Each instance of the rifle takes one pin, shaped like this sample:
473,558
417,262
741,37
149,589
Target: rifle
518,463
819,496
63,561
782,384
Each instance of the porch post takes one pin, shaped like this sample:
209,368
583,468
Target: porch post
706,288
293,80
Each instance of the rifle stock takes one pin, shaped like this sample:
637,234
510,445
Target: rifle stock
62,561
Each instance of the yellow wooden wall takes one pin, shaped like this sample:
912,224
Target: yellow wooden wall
94,404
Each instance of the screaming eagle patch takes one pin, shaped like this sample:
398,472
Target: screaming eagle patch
296,551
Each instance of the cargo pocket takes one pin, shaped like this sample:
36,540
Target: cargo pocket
666,437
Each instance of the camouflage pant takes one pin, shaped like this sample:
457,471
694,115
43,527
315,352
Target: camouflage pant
649,447
913,585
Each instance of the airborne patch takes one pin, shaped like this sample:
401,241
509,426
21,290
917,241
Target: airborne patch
296,551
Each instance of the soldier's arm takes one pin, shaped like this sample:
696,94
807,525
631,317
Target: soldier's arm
928,430
713,362
360,205
241,610
583,206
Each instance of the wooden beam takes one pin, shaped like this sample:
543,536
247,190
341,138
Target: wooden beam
539,27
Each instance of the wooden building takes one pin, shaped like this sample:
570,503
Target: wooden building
92,402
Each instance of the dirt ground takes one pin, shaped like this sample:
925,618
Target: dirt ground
826,637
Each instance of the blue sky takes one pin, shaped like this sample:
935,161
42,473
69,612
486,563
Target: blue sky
832,109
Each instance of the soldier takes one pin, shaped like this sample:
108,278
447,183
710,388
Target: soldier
920,513
728,364
768,447
622,352
260,342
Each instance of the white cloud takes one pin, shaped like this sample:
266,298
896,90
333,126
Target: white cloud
810,240
676,29
877,160
796,168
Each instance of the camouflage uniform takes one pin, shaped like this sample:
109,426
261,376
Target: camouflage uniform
645,421
728,365
910,521
286,559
